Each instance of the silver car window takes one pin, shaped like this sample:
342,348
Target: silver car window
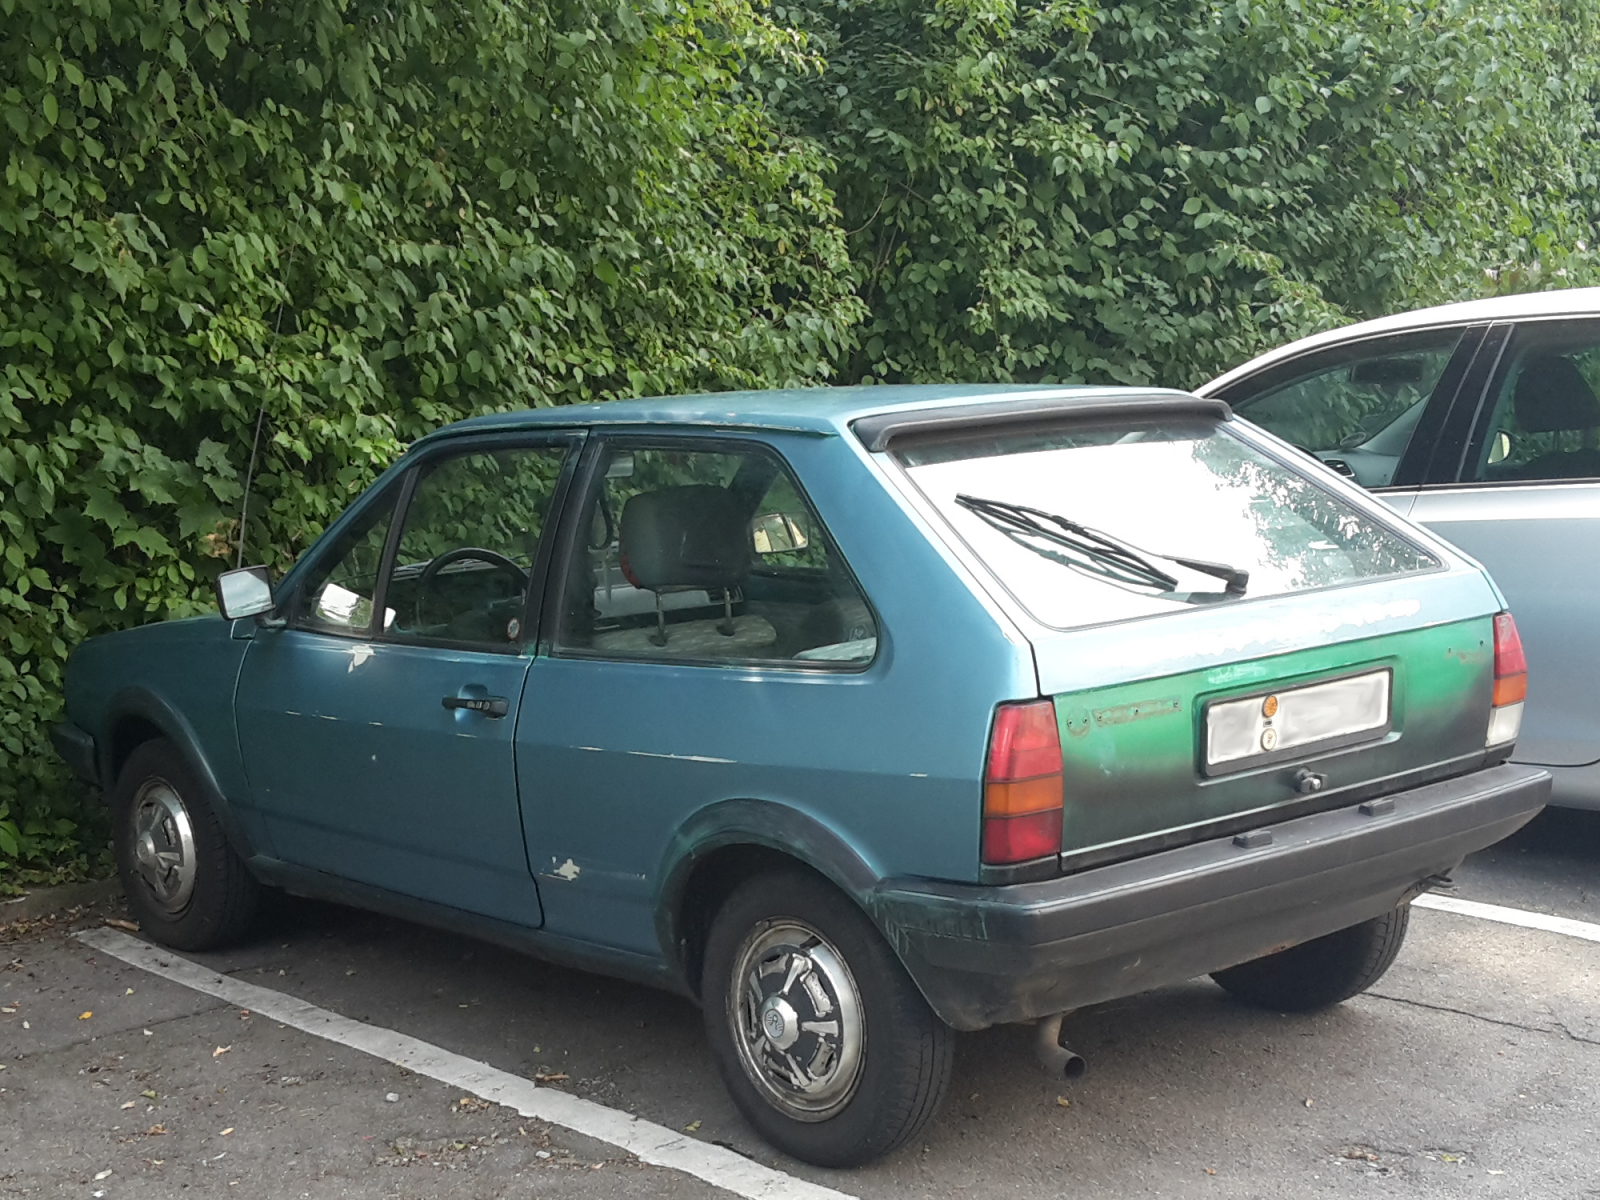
1357,406
1544,417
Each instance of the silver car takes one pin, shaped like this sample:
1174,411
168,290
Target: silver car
1481,421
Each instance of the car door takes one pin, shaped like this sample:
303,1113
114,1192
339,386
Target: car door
376,725
1371,409
1521,494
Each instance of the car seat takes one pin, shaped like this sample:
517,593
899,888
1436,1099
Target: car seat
1552,396
690,538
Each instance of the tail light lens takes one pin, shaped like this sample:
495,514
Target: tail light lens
1510,682
1022,785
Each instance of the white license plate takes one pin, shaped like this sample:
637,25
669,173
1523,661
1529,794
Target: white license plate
1274,725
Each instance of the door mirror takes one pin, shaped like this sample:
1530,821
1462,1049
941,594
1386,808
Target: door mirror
777,533
244,593
1500,448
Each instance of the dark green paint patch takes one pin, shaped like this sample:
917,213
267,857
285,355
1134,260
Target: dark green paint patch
1127,778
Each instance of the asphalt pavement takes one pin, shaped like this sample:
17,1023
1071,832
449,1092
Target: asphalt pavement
1472,1069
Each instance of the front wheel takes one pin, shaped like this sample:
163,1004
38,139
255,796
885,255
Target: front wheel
184,883
1322,972
822,1039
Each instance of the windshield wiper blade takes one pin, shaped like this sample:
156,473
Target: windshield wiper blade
1124,556
1068,533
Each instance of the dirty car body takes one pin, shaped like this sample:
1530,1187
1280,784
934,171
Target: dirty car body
578,679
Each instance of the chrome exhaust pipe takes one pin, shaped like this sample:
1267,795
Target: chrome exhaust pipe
1059,1061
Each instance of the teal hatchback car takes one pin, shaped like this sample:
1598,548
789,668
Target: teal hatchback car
862,716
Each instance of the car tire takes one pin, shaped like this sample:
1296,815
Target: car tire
1322,972
185,885
809,953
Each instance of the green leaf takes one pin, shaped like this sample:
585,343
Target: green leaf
102,507
217,41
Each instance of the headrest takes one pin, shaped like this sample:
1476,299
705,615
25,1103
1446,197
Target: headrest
1553,395
685,537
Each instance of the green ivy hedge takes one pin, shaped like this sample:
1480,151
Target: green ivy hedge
1158,190
276,240
346,223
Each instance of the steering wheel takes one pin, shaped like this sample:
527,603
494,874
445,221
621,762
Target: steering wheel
430,572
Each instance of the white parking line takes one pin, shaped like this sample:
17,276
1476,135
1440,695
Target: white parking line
654,1144
1510,916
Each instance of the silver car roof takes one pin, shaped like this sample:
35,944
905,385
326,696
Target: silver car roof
1560,303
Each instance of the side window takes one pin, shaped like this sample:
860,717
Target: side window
467,546
338,593
1355,407
709,555
1542,419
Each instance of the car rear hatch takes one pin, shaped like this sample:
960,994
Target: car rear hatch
1230,634
1194,729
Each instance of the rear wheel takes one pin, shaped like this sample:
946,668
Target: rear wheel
184,883
825,1044
1322,972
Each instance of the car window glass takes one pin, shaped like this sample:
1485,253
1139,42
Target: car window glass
1543,421
1355,407
709,555
339,589
1198,491
468,545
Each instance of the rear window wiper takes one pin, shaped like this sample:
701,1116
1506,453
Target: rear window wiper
1126,563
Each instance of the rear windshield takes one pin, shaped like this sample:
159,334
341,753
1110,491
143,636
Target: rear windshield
1093,524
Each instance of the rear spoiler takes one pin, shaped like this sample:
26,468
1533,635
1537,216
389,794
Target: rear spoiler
876,432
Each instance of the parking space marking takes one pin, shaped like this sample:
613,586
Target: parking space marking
650,1143
1510,916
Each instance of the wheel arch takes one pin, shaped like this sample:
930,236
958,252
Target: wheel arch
728,842
136,715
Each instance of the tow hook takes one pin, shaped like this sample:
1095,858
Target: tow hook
1059,1062
1308,783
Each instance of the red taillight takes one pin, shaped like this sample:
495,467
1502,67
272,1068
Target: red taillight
1022,784
1510,664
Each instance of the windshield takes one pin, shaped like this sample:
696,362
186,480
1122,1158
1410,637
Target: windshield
1180,490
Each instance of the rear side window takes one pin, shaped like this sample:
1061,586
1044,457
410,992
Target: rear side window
709,555
1544,418
1092,524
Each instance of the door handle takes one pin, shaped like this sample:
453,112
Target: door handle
489,706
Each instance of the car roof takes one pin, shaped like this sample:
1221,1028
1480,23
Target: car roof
823,411
1523,306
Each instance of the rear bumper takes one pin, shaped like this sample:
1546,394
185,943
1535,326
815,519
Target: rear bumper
986,955
76,749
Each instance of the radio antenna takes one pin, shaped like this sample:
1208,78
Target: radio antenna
261,411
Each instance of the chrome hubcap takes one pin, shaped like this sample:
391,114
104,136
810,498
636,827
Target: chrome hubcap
163,844
796,1019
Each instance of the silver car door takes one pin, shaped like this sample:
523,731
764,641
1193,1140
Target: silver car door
1525,502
